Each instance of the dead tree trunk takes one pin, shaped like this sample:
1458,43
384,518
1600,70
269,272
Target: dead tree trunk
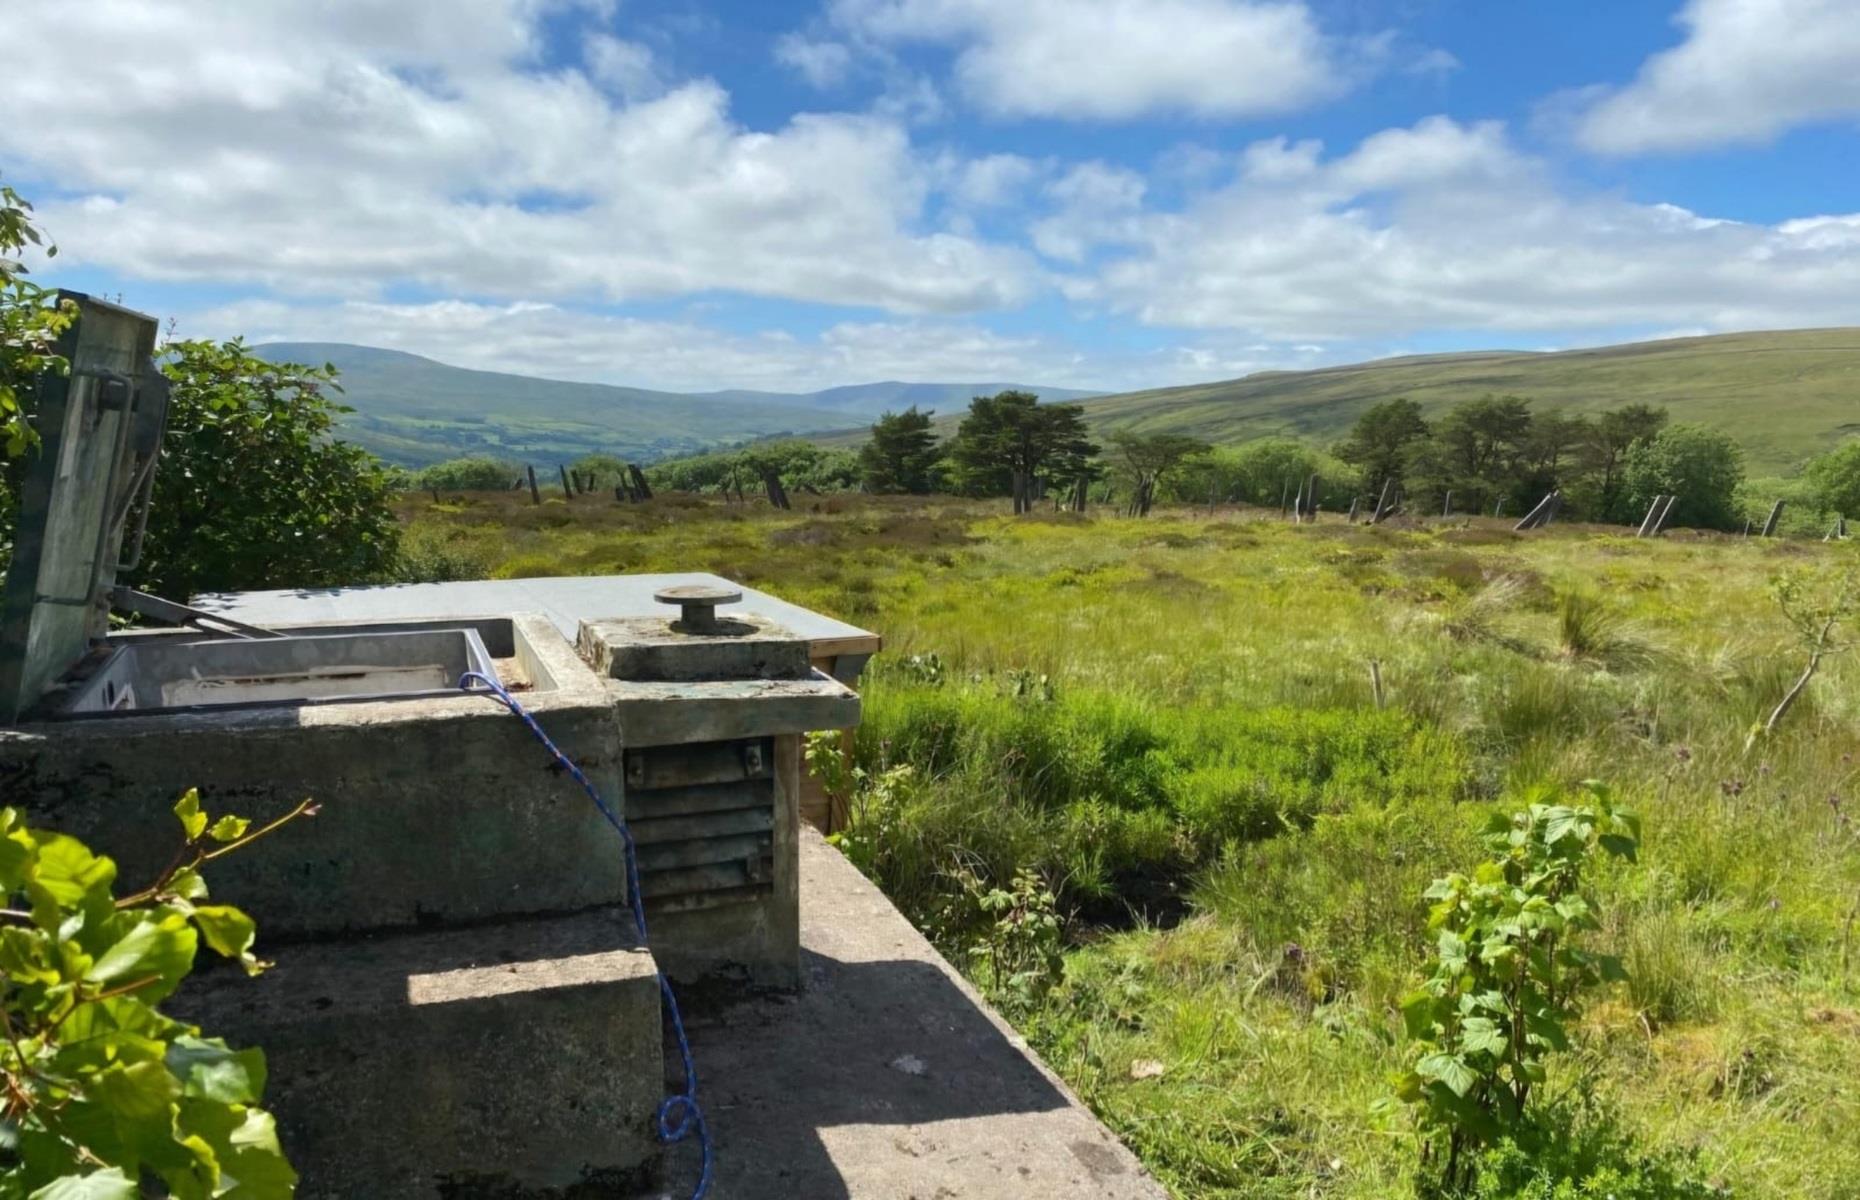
535,492
638,478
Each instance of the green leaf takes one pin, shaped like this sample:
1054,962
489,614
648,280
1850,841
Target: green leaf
158,946
18,851
138,1091
70,873
228,931
1418,1014
1449,1070
229,829
193,821
1481,1035
107,1184
211,1070
1561,821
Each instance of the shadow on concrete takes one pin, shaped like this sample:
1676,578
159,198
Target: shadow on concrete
888,1043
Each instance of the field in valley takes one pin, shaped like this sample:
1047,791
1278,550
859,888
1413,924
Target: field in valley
1171,725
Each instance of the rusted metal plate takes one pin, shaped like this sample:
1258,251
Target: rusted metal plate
707,825
669,855
698,763
683,802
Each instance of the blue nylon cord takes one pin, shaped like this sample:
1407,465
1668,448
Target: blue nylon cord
678,1115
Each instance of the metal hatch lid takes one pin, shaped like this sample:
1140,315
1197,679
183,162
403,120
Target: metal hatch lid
86,483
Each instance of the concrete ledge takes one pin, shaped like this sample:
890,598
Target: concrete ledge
433,811
887,1078
507,1060
663,714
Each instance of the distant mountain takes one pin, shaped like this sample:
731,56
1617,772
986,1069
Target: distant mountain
1784,395
868,400
413,410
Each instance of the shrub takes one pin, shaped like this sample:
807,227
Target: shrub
254,490
102,1089
476,473
1509,977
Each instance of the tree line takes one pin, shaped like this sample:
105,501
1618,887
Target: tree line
1493,455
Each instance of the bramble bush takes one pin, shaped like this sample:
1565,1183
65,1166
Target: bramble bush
103,1093
1510,976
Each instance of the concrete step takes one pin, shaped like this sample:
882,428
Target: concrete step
520,1059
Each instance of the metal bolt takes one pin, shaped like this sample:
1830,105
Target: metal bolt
697,605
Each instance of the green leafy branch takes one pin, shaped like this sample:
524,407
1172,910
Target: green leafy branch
99,1091
1510,974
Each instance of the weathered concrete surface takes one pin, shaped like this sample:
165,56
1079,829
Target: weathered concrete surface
433,811
664,714
886,1078
651,648
566,600
498,1061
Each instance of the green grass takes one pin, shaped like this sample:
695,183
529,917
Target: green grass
1173,721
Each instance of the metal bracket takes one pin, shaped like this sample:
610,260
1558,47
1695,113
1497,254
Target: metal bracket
130,600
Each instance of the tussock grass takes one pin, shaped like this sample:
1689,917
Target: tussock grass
1173,721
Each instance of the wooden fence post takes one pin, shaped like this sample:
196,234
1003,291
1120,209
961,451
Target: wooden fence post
1382,503
1653,510
535,493
1666,514
639,481
1769,526
1446,506
567,493
1355,502
1538,516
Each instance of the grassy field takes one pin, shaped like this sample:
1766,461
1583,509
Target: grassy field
1172,724
1784,395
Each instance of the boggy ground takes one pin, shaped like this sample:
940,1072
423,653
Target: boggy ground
1173,722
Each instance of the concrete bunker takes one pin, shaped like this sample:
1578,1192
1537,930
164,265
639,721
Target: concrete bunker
459,1005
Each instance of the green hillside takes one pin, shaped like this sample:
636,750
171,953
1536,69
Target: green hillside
413,410
1784,395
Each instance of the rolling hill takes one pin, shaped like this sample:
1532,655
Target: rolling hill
1784,395
413,410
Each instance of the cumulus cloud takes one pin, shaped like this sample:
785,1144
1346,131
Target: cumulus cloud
346,147
676,355
1118,59
822,62
1746,71
1440,226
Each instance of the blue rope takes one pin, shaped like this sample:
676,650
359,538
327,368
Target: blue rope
679,1114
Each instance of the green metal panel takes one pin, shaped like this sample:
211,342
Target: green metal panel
99,429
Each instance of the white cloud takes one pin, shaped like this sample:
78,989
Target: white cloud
994,180
627,67
675,355
341,148
1438,227
1116,59
1747,71
823,63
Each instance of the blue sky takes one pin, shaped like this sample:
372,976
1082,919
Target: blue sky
698,194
